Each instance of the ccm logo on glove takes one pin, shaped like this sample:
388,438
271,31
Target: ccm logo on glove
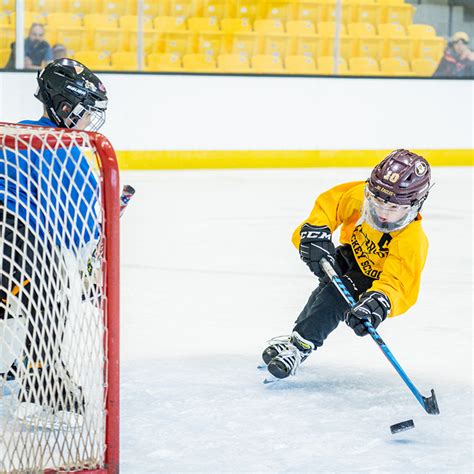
315,244
372,306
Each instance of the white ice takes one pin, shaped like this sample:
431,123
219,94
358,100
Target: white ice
209,274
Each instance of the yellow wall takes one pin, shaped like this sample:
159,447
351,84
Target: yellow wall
142,160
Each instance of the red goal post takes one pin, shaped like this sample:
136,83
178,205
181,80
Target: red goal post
87,350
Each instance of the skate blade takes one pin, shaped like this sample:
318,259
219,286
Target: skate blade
261,366
271,379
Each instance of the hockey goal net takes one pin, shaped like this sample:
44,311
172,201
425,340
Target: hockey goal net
59,301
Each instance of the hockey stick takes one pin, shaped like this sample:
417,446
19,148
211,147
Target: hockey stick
127,194
429,404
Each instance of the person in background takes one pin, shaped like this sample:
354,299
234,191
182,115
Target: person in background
38,52
458,59
59,51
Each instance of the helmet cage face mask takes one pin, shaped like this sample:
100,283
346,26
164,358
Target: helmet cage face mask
386,216
89,118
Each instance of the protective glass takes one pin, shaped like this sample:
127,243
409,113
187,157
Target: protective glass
386,216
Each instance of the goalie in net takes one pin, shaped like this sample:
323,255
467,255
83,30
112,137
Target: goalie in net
48,219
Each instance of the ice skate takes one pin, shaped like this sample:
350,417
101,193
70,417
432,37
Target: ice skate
287,361
275,346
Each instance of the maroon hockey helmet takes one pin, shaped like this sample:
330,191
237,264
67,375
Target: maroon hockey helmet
396,190
401,178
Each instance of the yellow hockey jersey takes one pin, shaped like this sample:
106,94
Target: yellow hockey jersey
395,260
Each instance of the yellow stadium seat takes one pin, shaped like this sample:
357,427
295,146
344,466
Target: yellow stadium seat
184,8
366,41
363,66
315,11
424,67
63,19
394,67
246,9
300,65
236,63
328,28
300,27
43,6
80,7
199,63
267,64
428,48
277,45
425,43
347,12
421,31
347,46
152,9
124,61
7,36
326,65
94,60
106,40
130,40
198,24
308,45
115,8
390,30
367,11
178,42
395,41
244,43
396,12
276,10
4,57
210,44
73,39
97,20
4,18
28,19
361,29
216,8
164,62
235,25
164,24
7,6
130,22
268,26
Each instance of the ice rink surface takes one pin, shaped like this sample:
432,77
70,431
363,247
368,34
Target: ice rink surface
209,274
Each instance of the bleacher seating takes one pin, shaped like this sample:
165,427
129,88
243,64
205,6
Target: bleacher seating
271,36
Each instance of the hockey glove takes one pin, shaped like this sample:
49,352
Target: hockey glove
372,306
314,245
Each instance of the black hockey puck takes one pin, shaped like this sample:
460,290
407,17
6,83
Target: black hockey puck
402,426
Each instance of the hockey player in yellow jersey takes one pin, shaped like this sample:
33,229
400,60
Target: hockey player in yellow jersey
381,257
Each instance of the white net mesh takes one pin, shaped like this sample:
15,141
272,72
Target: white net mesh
52,303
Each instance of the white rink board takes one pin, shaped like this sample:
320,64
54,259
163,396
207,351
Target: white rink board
177,112
209,274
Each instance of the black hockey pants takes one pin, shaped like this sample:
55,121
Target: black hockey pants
326,307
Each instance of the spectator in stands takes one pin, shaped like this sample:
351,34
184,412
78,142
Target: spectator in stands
458,59
59,51
38,52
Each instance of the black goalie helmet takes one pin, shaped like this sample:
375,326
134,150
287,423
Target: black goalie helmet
73,95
